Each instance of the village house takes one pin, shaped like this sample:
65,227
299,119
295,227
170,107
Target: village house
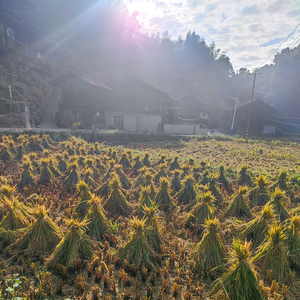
190,107
132,105
136,106
259,122
82,100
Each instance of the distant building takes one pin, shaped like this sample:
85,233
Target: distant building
138,96
190,107
136,106
133,106
83,99
259,122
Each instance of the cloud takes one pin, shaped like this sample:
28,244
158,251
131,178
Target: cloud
275,7
293,13
177,4
160,4
199,17
210,7
254,28
248,30
250,10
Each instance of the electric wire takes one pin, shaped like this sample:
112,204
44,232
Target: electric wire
279,46
294,42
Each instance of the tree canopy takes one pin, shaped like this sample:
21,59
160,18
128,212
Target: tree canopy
110,40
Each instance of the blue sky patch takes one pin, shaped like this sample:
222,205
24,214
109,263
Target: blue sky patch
272,42
177,4
224,17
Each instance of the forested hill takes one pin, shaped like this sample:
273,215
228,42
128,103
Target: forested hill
111,42
277,83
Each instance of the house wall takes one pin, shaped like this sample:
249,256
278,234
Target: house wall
148,123
135,122
184,129
130,120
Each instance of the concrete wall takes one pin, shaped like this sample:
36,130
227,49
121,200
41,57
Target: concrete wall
184,129
135,122
148,123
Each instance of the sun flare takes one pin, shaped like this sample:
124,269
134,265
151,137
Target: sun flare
147,10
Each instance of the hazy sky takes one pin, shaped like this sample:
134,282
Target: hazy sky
247,30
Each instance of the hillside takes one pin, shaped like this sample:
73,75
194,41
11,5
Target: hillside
112,44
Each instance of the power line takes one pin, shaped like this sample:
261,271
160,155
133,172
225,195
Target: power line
253,89
279,46
291,124
284,117
279,88
295,41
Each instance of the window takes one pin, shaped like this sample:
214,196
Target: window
119,121
10,33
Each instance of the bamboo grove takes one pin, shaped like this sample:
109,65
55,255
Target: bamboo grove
85,220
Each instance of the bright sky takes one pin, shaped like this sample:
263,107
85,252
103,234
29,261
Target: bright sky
247,30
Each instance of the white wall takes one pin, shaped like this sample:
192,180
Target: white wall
135,122
148,123
183,129
130,120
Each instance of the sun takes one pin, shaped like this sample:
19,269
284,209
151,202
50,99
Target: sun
147,10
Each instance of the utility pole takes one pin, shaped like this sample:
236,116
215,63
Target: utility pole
250,109
236,104
11,99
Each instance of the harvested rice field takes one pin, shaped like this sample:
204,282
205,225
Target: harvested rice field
197,219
